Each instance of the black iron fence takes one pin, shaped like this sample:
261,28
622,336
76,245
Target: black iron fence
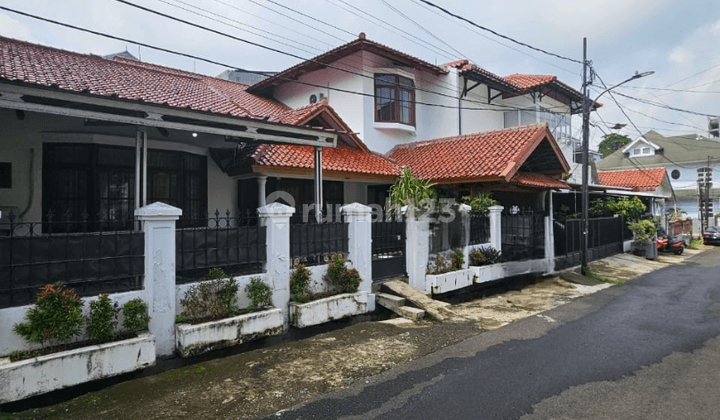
605,238
69,251
236,244
479,229
446,232
388,247
523,234
314,243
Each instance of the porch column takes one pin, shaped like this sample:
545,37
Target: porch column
495,228
262,180
318,185
465,211
158,222
360,242
276,218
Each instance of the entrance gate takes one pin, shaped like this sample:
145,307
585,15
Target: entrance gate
388,248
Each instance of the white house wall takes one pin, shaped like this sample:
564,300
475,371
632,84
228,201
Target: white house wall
19,137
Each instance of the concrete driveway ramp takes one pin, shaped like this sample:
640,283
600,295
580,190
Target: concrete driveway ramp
435,309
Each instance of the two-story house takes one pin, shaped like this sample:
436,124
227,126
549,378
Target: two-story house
690,162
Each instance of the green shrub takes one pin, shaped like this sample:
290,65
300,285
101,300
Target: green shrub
55,318
457,259
100,322
339,277
300,283
259,293
135,315
214,299
439,265
484,256
480,203
643,230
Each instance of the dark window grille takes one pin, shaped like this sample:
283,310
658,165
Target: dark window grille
74,252
238,245
479,229
523,234
314,243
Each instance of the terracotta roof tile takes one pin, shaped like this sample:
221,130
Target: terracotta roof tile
539,180
492,155
129,79
637,179
340,159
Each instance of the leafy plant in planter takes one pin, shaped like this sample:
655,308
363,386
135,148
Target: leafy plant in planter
55,318
135,315
259,293
484,256
300,284
214,299
439,265
100,322
457,259
339,277
411,191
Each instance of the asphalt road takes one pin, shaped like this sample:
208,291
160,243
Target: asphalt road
647,349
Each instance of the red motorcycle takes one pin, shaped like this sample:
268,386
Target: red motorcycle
667,244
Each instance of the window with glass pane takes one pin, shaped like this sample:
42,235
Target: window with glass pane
394,99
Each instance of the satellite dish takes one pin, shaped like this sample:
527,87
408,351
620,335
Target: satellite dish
313,99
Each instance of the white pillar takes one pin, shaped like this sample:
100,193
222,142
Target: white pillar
417,251
495,227
359,220
276,218
465,213
158,223
262,180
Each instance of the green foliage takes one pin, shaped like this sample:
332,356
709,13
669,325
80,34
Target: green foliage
612,143
24,354
100,323
300,284
55,318
695,243
484,256
259,293
440,265
628,207
411,191
214,299
643,230
593,275
135,315
480,203
457,259
339,277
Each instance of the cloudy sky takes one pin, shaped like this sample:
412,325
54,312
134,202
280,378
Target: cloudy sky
679,40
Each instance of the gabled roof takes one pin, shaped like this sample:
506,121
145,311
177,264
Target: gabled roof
322,60
640,140
535,82
472,71
130,80
482,157
636,179
677,150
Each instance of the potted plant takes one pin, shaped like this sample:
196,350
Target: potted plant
341,300
212,320
53,322
643,233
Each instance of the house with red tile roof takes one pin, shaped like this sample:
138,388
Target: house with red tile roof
72,124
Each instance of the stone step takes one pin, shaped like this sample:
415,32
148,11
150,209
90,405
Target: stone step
391,302
434,308
408,312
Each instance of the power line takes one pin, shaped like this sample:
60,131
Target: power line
661,105
499,34
311,17
291,18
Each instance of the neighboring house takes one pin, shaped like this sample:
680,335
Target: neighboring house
687,160
652,185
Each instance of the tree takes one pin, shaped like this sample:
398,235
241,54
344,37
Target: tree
612,143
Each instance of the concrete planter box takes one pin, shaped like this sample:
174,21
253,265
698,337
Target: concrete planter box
26,378
191,340
447,282
331,308
499,271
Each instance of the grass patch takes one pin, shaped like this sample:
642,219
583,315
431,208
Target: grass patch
595,276
181,373
695,243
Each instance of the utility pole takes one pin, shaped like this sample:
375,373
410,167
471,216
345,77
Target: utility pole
585,152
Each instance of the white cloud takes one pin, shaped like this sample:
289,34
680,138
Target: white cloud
11,28
680,55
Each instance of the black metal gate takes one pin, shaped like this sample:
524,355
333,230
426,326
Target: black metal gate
605,238
523,234
388,248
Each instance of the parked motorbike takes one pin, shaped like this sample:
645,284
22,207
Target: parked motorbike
666,244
